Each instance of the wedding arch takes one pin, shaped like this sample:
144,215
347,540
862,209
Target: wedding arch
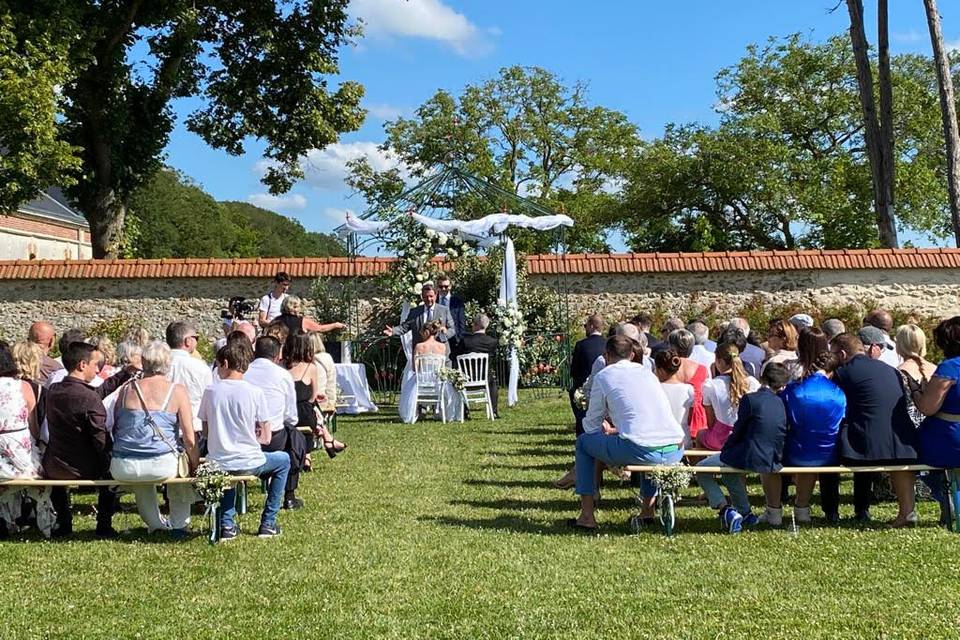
453,213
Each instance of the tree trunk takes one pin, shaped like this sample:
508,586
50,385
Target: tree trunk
948,110
883,208
886,117
106,214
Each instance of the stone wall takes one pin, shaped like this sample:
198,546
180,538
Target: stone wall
83,302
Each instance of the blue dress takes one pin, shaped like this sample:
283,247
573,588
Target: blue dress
815,409
939,439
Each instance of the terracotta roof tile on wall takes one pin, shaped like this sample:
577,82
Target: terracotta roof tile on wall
536,264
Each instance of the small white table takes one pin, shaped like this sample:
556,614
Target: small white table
352,379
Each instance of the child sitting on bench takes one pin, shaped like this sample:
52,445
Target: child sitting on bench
755,444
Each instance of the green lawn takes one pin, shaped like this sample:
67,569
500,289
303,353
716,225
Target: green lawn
453,531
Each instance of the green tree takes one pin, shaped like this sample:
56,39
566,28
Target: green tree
787,166
278,236
33,64
255,69
524,131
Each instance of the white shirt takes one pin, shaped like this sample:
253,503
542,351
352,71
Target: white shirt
232,410
716,394
271,306
633,399
278,390
60,374
680,397
194,375
889,355
703,356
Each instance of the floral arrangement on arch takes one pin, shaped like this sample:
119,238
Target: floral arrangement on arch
511,325
416,247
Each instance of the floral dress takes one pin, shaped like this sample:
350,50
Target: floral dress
19,459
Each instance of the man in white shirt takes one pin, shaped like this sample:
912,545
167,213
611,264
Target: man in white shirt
628,396
700,352
233,412
186,369
271,304
281,397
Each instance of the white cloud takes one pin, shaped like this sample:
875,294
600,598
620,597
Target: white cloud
327,168
429,19
952,45
288,202
908,37
337,215
382,111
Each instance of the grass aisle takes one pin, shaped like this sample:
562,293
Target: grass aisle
453,531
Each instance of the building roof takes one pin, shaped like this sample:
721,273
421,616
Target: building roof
53,204
536,264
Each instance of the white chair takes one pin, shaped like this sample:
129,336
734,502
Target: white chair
429,385
476,368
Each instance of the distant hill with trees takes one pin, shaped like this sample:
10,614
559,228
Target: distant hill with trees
173,217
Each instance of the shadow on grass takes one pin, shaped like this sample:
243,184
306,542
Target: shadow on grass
515,524
567,504
555,466
531,484
535,452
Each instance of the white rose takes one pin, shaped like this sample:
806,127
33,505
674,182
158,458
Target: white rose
452,253
418,288
431,233
442,238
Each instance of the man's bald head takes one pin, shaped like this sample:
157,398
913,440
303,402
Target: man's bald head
881,319
42,333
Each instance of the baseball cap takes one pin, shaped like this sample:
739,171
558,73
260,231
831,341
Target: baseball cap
801,320
871,335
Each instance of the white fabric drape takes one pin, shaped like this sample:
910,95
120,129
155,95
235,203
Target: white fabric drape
407,407
494,223
508,293
358,225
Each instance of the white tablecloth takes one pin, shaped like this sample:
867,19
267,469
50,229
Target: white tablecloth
352,379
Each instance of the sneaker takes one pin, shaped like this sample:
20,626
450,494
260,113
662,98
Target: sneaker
773,517
732,520
801,514
229,533
750,519
292,504
269,530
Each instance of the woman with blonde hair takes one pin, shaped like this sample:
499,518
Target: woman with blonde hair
721,396
27,356
915,369
326,375
105,346
291,316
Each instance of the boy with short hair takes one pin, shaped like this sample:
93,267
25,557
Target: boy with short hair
755,444
233,411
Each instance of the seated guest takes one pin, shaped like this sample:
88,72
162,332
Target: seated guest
875,345
234,412
679,394
751,355
291,316
298,359
138,336
801,321
700,353
19,455
669,326
69,336
108,364
882,320
79,445
193,374
149,415
815,409
833,327
644,321
479,342
877,428
735,336
756,444
275,382
129,353
692,373
429,345
629,396
939,400
781,345
326,375
42,334
722,395
915,370
28,358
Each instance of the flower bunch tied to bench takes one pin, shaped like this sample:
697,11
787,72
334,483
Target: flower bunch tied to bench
672,479
211,481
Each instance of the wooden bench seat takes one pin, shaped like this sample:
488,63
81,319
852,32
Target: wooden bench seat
796,470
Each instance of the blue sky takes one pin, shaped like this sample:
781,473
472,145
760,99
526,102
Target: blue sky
654,61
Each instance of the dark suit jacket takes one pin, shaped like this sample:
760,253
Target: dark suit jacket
585,352
756,442
458,313
482,343
877,425
418,318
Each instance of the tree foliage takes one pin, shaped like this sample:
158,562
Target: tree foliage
786,167
524,131
254,69
172,217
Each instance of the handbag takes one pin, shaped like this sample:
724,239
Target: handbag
183,461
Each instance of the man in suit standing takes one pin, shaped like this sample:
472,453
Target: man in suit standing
423,315
454,303
585,352
480,342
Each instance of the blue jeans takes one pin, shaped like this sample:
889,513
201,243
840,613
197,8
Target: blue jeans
734,482
276,468
615,450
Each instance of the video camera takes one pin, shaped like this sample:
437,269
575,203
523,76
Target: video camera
238,308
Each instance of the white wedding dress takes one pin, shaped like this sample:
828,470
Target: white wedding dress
407,407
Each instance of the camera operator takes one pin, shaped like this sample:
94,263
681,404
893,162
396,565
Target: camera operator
272,303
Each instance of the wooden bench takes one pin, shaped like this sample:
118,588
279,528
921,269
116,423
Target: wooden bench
953,475
212,513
